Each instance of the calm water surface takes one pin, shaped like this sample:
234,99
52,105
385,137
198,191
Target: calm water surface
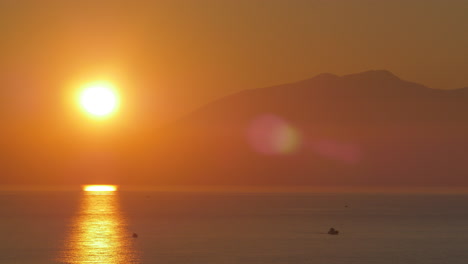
184,227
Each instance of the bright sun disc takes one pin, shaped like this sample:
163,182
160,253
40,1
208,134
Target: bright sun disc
99,99
100,188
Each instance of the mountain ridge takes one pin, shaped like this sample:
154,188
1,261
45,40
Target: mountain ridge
361,129
332,87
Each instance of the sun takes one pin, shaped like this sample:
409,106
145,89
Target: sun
100,188
99,99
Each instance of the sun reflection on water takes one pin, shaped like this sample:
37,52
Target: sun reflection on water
98,234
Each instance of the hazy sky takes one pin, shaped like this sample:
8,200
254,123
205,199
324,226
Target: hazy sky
168,57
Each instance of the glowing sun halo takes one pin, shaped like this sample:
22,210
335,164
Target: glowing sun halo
99,188
99,99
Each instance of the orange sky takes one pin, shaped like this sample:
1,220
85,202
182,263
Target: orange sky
169,57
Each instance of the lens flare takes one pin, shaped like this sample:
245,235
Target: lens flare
100,188
272,135
345,152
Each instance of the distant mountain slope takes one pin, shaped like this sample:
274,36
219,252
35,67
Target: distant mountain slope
370,128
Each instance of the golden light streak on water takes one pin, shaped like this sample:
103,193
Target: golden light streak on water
98,234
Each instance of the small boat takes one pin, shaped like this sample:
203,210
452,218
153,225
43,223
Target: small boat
135,235
333,231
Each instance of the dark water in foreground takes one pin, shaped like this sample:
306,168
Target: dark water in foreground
184,227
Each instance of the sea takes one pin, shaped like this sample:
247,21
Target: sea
238,227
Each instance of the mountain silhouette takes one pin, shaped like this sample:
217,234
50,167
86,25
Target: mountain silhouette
364,129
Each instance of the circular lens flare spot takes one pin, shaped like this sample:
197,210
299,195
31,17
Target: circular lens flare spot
272,135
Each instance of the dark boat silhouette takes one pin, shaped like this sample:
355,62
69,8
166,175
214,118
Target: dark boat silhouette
135,235
333,231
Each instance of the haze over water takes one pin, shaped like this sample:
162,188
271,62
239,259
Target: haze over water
232,227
